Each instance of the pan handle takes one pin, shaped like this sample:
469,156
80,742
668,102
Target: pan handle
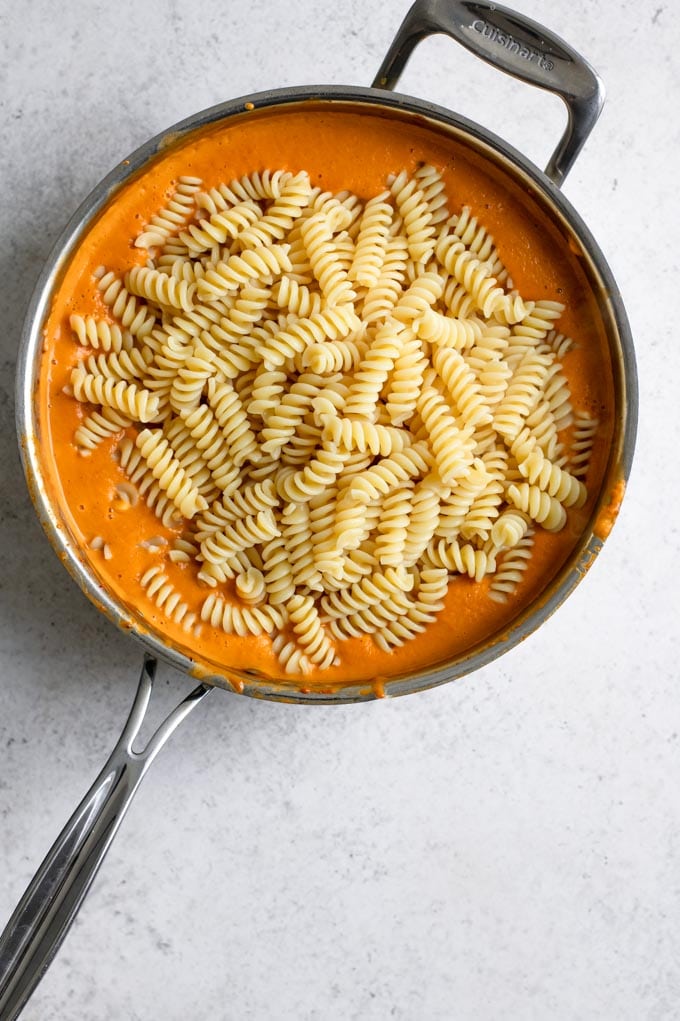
44,915
516,45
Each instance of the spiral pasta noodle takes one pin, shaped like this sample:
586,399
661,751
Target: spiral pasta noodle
331,323
296,297
511,568
210,442
133,316
317,238
276,222
222,226
290,656
139,404
416,215
160,288
145,485
447,331
190,457
546,510
370,591
371,242
372,372
509,529
456,506
418,298
540,471
99,426
474,236
433,187
313,479
333,356
422,610
173,216
169,474
251,187
240,620
472,273
370,619
98,334
187,386
258,264
423,519
585,428
282,425
392,526
461,559
522,394
450,444
357,434
381,477
166,598
239,535
306,624
233,421
250,586
128,365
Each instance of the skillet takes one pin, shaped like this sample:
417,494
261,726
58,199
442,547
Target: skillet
513,44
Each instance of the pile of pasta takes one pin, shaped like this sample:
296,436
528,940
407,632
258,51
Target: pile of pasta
333,406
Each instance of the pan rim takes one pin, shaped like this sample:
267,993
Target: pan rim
527,620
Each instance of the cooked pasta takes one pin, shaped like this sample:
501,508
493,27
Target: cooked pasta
177,212
317,237
250,586
237,270
465,559
99,426
223,226
308,629
336,405
416,214
139,404
475,237
160,288
428,601
369,591
168,472
99,334
241,620
138,319
585,428
128,365
371,242
273,225
190,457
166,598
392,526
539,505
511,567
381,298
254,187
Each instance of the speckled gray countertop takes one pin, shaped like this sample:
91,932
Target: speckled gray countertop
502,847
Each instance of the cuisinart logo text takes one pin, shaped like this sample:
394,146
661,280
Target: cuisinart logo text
509,43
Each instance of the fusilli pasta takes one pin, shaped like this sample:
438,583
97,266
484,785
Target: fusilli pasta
335,404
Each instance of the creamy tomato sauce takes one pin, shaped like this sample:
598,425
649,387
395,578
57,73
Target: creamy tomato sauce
341,149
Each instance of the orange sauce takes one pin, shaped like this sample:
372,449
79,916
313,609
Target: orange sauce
341,149
608,515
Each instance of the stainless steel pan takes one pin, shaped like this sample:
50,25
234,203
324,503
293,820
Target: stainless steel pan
524,50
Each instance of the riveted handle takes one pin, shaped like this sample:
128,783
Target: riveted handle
514,44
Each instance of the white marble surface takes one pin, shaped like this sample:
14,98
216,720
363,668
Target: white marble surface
503,847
